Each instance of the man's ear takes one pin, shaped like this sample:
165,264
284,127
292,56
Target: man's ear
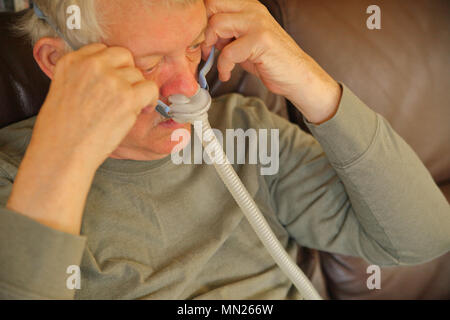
47,52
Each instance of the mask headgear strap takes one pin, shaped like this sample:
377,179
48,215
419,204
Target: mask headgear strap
205,70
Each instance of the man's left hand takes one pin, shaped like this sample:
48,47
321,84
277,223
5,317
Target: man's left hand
247,34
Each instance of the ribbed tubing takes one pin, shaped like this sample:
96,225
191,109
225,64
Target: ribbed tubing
252,212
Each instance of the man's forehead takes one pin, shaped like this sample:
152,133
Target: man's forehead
155,29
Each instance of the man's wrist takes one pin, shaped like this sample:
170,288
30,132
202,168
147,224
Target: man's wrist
322,103
337,136
52,190
316,94
327,107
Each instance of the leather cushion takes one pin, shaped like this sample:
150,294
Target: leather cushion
23,86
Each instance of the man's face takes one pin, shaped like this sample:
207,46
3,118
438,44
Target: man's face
165,42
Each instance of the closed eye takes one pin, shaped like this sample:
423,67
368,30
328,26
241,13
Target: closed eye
195,47
150,70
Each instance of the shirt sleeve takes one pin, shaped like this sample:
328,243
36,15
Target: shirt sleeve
358,189
34,258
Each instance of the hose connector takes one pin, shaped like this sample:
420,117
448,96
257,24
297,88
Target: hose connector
184,109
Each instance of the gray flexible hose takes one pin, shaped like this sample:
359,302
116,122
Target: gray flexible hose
252,212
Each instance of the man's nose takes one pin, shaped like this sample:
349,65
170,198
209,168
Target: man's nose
182,81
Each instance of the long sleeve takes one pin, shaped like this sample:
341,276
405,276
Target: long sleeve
359,189
33,258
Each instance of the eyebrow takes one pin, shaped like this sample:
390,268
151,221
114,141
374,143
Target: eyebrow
202,33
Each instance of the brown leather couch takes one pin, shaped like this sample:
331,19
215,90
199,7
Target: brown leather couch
401,71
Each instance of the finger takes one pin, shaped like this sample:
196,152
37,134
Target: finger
86,51
146,94
117,57
132,75
239,51
225,26
218,6
220,44
91,49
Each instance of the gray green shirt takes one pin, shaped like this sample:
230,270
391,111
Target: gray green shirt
156,230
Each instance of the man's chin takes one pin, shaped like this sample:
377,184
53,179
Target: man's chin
166,131
171,147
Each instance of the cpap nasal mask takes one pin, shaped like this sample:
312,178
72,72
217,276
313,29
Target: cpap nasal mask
184,109
190,109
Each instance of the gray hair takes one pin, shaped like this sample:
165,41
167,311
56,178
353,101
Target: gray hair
91,31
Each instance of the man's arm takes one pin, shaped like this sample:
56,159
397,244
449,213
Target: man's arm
95,98
368,195
34,258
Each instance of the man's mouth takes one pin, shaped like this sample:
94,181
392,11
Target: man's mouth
161,121
171,124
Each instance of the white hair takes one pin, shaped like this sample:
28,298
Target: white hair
92,29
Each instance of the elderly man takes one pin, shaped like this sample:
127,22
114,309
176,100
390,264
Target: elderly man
89,182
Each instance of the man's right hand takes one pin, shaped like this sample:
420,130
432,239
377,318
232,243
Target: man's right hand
94,100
